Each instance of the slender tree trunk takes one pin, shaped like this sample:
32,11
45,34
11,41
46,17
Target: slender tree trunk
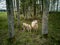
51,5
57,4
10,14
18,14
14,4
45,17
24,9
34,7
42,5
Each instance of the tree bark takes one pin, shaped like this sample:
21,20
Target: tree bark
23,9
34,7
10,14
57,4
45,17
18,14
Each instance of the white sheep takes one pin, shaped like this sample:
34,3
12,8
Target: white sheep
34,25
26,27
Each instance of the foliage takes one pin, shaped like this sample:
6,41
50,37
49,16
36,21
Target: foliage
27,38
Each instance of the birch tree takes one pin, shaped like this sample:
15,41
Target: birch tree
53,5
45,17
34,7
18,13
10,15
57,4
23,6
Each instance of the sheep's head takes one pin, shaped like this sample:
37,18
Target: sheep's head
35,22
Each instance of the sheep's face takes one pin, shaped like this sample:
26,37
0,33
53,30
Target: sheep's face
35,22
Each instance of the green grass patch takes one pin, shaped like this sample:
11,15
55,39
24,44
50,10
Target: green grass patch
27,38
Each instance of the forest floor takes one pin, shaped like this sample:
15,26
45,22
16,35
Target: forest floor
33,38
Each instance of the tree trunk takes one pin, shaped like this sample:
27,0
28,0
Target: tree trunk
57,4
42,6
51,5
10,14
18,14
45,17
34,7
24,9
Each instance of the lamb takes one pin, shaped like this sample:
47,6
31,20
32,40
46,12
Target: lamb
27,27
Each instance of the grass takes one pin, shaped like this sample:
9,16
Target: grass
27,38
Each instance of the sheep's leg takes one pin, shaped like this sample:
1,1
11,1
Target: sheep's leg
30,31
36,31
23,28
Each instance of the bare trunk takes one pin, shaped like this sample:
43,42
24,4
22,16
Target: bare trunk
24,9
51,5
10,14
45,17
18,14
57,4
34,7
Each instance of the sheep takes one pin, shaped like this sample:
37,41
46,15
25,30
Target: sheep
26,27
34,25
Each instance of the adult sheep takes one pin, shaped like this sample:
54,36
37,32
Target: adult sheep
34,25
